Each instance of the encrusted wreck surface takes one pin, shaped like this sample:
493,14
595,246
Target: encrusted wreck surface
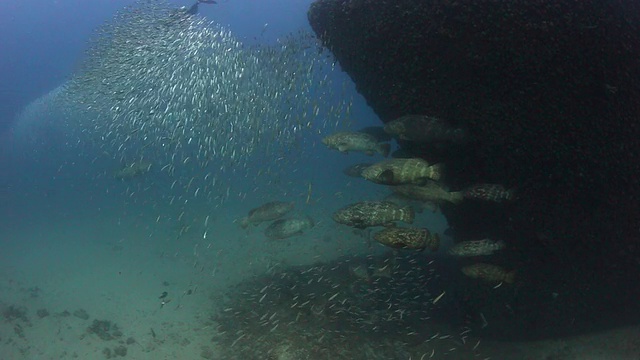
550,91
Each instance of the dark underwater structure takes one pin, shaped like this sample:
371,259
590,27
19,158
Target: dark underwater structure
550,92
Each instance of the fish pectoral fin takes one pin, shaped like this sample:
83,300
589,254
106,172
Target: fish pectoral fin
343,148
244,222
384,149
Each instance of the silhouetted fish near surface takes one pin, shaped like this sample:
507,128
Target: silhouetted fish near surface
490,192
402,171
373,213
408,238
355,141
284,228
356,169
266,212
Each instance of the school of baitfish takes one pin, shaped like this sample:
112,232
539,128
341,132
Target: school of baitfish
164,90
162,86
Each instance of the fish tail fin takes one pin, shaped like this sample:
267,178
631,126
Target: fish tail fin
434,243
244,222
409,214
456,197
310,221
436,171
384,149
511,194
510,277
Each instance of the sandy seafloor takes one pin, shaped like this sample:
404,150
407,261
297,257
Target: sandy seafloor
68,259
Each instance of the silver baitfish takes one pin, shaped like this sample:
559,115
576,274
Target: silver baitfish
429,192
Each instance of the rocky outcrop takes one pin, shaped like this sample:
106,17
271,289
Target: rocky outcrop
550,91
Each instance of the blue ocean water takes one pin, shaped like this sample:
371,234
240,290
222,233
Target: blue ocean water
47,41
98,262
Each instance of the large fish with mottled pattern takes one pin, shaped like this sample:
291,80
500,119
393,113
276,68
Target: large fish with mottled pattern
408,238
414,171
417,205
356,141
284,228
490,192
490,273
266,212
476,247
373,213
429,192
